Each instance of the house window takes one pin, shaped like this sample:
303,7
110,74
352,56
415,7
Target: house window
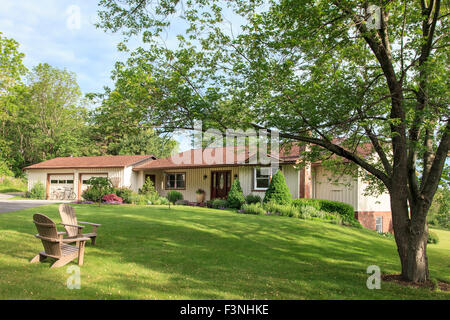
379,224
175,180
261,177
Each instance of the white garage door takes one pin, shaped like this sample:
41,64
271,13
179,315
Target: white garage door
86,177
61,187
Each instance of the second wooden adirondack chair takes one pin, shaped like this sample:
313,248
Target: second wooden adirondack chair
70,223
54,246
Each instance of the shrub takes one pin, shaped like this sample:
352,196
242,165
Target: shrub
124,193
344,210
281,210
278,190
253,198
235,196
200,191
253,208
308,212
112,199
149,190
99,187
173,196
91,194
160,201
219,204
432,238
140,199
38,191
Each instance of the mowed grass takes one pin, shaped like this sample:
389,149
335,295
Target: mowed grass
198,253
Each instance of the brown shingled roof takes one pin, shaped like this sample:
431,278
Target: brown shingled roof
241,157
90,162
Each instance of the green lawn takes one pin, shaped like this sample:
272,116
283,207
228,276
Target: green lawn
198,253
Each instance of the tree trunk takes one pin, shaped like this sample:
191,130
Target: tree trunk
411,235
417,268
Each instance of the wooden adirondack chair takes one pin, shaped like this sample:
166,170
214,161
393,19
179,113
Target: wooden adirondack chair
70,223
54,246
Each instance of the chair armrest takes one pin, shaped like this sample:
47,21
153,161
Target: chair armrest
90,223
71,225
46,239
75,239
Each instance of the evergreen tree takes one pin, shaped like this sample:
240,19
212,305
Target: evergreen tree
235,197
278,191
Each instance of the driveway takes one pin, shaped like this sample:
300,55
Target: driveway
14,205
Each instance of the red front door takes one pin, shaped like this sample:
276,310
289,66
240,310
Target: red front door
220,184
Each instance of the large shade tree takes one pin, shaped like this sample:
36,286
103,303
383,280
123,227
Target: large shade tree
334,74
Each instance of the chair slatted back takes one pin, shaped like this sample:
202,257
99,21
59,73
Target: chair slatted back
68,216
47,228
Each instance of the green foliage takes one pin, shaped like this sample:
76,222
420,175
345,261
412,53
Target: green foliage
219,204
124,193
253,198
173,196
98,188
282,210
139,199
235,197
432,237
439,214
344,210
38,191
278,190
4,169
161,201
252,208
11,184
200,191
149,190
92,194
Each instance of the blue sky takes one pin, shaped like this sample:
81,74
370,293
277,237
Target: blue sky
48,31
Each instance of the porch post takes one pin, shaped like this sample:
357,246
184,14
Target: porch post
305,182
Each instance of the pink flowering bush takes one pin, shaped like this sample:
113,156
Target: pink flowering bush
112,199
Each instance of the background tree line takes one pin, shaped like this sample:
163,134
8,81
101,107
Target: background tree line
43,115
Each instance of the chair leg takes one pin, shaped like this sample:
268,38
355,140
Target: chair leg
81,253
93,240
38,258
61,262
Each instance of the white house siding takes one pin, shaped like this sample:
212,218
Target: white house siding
292,177
127,176
371,203
35,175
246,180
323,188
